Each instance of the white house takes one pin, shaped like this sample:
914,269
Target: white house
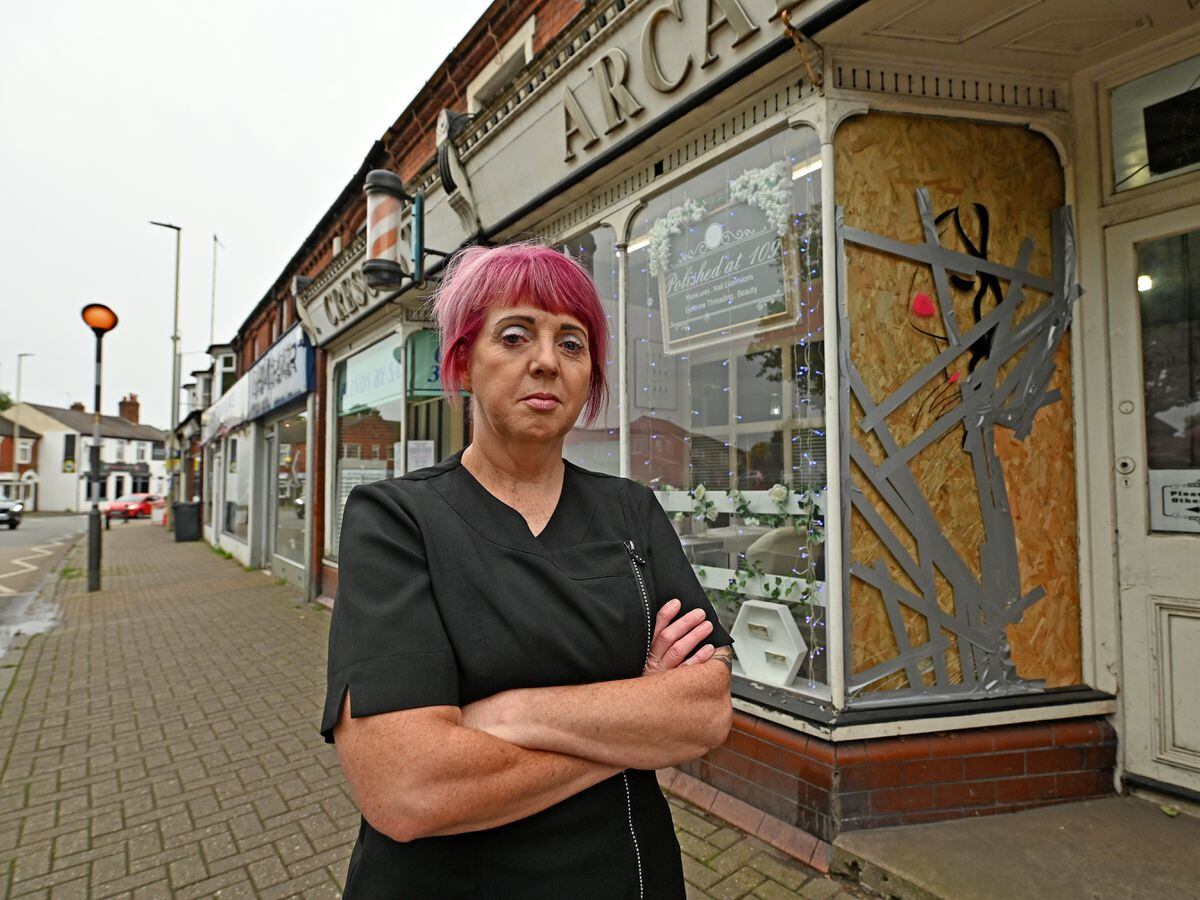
133,455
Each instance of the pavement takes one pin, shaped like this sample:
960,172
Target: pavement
162,742
1115,848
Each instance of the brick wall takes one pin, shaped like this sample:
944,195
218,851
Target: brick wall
826,788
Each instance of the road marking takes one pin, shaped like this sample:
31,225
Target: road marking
39,551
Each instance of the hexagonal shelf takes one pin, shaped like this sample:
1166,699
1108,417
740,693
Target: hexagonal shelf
767,642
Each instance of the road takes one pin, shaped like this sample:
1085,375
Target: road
27,553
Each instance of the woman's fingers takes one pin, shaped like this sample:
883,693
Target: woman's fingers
703,655
682,648
668,635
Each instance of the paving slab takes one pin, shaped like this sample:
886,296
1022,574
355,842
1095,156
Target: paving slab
1120,847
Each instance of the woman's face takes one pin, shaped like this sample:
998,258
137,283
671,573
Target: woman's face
529,372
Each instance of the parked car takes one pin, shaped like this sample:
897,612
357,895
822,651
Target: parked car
10,513
131,506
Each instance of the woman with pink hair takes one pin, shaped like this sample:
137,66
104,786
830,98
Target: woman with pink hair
517,642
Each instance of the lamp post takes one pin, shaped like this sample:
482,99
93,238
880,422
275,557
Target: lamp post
101,320
173,461
16,485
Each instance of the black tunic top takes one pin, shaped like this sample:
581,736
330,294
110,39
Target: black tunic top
446,597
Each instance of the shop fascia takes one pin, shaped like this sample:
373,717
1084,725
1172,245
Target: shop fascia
282,374
613,82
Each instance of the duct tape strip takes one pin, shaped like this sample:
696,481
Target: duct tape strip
983,606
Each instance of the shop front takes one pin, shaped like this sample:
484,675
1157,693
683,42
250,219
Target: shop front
228,438
851,356
280,402
385,411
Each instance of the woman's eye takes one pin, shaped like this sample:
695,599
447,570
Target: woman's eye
512,336
573,345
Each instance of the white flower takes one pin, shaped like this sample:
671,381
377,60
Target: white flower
671,223
768,189
711,514
735,496
778,494
750,520
698,492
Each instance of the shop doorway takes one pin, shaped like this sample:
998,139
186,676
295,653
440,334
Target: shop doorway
1154,334
287,460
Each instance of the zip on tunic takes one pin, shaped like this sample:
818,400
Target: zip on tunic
637,563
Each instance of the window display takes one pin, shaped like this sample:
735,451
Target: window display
369,387
726,372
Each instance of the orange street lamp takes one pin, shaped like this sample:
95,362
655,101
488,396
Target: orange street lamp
101,320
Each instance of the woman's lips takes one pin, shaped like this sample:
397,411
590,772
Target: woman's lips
541,402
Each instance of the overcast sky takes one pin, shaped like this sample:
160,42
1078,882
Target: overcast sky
243,119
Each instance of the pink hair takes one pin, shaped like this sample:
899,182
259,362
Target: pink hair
479,278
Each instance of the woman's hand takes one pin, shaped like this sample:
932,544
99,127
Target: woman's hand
673,641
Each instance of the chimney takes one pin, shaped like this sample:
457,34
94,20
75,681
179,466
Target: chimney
78,407
129,408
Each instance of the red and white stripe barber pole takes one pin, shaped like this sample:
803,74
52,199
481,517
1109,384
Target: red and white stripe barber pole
384,266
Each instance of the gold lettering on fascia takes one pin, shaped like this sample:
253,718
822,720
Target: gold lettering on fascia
576,123
610,72
346,298
732,16
653,69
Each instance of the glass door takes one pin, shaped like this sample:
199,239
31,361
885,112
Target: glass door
1154,320
289,474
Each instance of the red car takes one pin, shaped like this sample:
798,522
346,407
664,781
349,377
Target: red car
131,506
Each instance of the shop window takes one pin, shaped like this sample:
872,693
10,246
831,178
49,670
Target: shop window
1155,123
236,520
597,447
1169,301
211,459
369,387
141,484
726,379
291,476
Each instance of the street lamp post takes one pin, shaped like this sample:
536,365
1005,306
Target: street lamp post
173,462
101,320
16,485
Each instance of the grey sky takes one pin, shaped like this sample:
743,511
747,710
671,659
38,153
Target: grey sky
244,119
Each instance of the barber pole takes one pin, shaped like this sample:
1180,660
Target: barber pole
384,266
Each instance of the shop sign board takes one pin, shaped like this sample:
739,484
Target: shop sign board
227,412
373,377
281,374
339,296
424,364
722,279
648,61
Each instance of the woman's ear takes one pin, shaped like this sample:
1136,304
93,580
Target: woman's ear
465,376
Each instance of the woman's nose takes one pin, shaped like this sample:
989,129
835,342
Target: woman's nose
545,360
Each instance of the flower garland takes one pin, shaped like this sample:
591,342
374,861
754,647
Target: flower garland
768,189
671,223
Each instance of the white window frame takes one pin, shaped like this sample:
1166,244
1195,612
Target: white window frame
24,451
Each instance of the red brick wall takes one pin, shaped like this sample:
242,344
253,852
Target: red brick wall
826,788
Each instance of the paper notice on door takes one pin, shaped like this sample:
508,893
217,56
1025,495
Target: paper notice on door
421,455
1175,500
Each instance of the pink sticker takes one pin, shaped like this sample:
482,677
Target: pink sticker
922,305
953,377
